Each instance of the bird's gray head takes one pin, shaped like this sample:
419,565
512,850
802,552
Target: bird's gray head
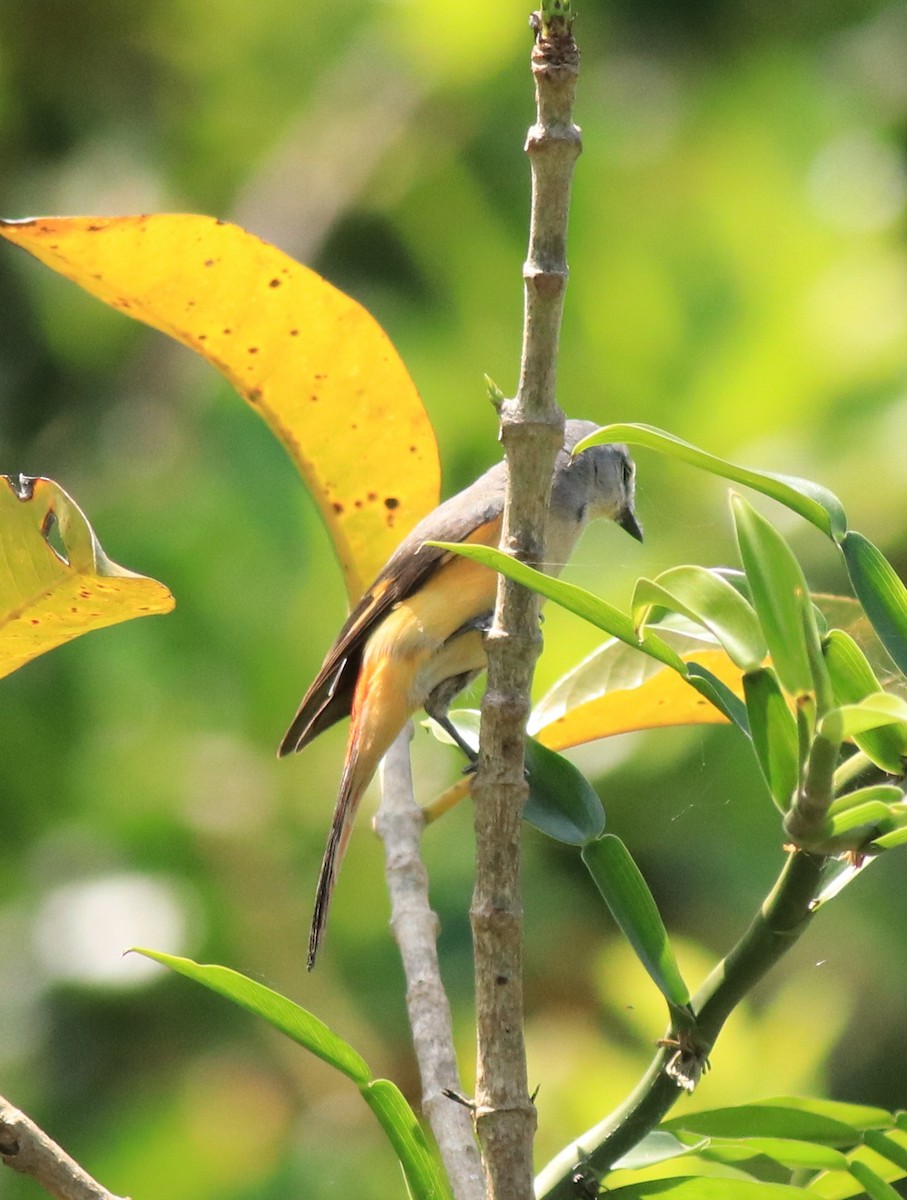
600,482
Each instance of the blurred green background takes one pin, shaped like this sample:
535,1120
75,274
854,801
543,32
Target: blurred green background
738,275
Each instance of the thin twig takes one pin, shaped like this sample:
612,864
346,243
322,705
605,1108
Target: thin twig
27,1149
532,432
399,824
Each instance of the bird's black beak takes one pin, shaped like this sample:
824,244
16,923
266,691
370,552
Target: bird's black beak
627,520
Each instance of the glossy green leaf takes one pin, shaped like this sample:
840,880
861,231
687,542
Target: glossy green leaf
881,592
406,1136
888,841
718,693
656,1147
884,793
847,614
633,907
562,803
874,711
297,1023
872,1184
707,598
774,733
858,1116
852,680
398,1120
788,1152
850,830
575,599
704,1188
812,501
605,616
780,597
770,1119
887,1147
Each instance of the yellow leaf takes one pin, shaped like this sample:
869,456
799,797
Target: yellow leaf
311,361
47,599
663,700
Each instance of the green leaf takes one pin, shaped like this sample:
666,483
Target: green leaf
780,597
852,680
719,694
851,830
887,1147
858,1116
874,711
384,1098
562,803
884,793
633,907
888,841
880,591
774,732
700,1188
770,1119
656,1147
872,1184
406,1136
297,1023
810,500
789,1152
575,599
605,616
707,598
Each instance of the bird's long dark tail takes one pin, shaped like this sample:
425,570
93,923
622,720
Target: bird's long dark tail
351,789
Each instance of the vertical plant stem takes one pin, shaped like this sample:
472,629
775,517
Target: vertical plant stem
532,432
399,824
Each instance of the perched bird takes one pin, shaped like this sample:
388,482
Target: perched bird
415,639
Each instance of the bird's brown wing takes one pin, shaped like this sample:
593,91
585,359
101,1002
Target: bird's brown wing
330,696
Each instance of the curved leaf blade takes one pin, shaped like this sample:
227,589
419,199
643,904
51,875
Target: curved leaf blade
707,598
875,711
408,1140
656,1147
881,592
812,501
575,599
780,598
774,732
872,1184
704,1188
297,1023
561,803
787,1152
852,680
783,1118
47,599
307,358
633,907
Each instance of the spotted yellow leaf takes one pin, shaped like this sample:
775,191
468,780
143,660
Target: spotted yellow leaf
311,361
